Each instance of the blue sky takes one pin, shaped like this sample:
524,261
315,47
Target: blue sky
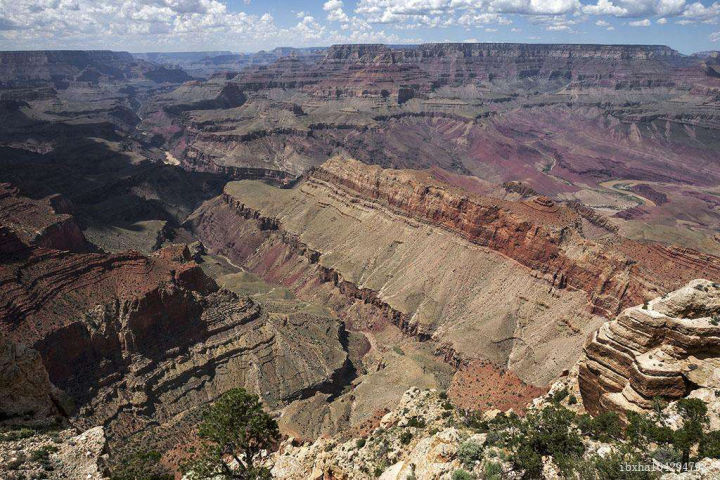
251,25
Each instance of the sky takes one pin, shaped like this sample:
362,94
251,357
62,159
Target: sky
253,25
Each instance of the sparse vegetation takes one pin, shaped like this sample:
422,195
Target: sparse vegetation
462,475
417,422
234,431
14,435
141,466
493,471
470,453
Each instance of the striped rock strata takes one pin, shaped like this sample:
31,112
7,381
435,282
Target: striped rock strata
667,348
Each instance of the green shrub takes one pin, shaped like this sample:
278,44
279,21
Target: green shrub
360,442
548,432
493,471
14,435
469,453
560,395
693,412
141,466
493,438
417,422
710,445
611,466
42,454
405,437
604,427
462,475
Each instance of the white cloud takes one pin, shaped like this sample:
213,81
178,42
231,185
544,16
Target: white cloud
470,20
171,25
636,8
207,24
715,37
697,12
335,11
557,23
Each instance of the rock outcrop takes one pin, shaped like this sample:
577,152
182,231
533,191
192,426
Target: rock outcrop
56,455
413,269
26,394
47,222
362,69
667,348
140,342
426,455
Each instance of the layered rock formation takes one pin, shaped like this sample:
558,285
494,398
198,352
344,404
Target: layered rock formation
138,341
427,279
666,348
44,223
61,67
425,257
362,69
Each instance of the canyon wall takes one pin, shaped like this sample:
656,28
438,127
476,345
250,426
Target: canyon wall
326,242
435,260
138,343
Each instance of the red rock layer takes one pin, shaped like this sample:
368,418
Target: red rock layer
370,69
537,233
481,386
45,223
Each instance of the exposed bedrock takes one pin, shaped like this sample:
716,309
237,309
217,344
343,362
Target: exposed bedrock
45,223
61,68
330,245
362,69
26,394
434,260
667,348
139,342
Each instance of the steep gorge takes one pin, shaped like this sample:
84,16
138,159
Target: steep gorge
139,343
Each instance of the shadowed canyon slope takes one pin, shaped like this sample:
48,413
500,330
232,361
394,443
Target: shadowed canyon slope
137,343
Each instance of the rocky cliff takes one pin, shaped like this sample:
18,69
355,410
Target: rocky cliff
62,67
409,270
27,394
666,348
137,342
46,222
426,252
358,69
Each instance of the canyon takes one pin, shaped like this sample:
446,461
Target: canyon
341,229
